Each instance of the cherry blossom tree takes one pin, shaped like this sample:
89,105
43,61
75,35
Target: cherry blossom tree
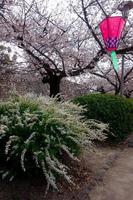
56,46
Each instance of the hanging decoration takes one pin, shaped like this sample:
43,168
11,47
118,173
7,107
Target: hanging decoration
111,29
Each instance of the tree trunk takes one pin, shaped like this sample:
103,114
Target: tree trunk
117,90
54,83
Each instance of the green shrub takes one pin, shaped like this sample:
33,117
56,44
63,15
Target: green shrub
36,132
115,110
130,100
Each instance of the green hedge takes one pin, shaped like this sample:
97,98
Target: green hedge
115,110
35,133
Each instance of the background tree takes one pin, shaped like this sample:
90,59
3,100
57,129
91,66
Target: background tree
8,68
57,46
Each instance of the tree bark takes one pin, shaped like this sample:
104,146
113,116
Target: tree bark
117,90
54,83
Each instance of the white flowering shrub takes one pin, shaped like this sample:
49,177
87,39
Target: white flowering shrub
35,132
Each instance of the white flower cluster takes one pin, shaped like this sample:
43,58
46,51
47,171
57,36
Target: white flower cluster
3,129
43,129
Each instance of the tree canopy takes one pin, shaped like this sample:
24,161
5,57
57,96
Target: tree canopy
66,41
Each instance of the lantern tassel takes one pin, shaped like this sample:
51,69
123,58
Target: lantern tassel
114,60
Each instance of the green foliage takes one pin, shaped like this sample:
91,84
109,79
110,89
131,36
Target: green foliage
115,110
130,100
36,132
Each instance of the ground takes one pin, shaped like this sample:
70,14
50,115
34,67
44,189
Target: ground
118,181
105,174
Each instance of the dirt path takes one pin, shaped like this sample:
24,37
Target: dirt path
111,178
117,183
86,174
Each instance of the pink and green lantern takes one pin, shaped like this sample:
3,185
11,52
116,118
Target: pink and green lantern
111,29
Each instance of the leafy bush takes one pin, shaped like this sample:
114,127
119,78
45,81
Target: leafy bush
115,110
36,132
